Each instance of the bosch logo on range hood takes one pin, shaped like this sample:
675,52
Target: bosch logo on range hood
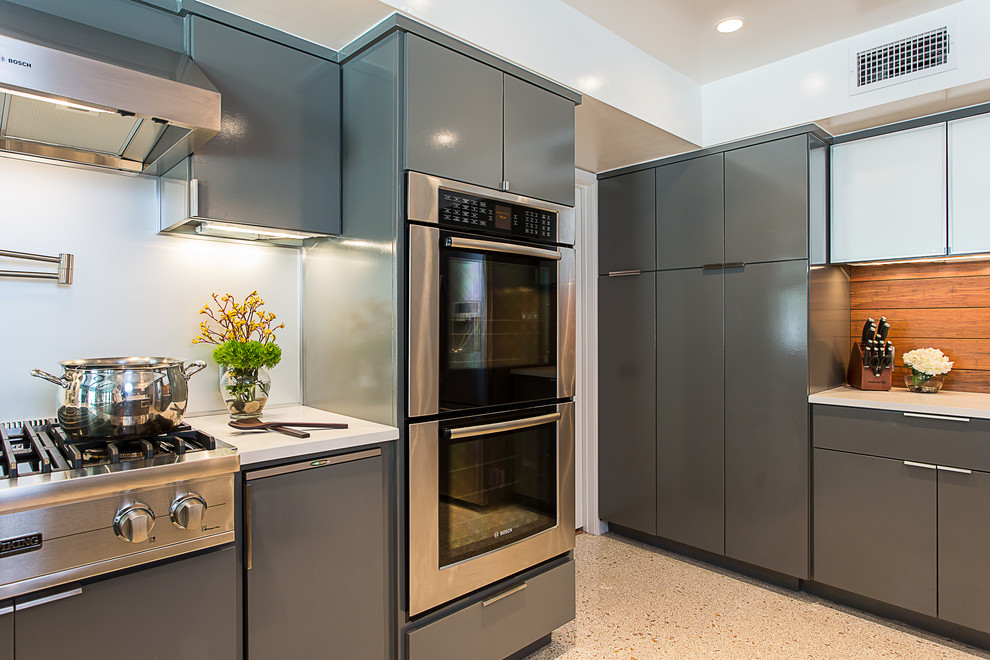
102,99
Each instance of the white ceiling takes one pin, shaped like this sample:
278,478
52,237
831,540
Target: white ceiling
332,23
681,33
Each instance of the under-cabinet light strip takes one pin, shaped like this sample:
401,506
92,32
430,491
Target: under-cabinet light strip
926,260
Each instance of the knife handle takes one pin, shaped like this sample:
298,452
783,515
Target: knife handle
882,332
866,330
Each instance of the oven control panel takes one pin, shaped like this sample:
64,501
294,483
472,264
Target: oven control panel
471,212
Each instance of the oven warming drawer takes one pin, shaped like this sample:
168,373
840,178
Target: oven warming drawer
518,615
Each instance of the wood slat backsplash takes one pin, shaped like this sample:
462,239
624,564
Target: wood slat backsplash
946,306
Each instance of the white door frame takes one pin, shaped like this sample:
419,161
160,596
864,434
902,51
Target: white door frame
586,367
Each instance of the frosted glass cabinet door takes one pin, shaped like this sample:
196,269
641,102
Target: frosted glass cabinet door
888,196
969,169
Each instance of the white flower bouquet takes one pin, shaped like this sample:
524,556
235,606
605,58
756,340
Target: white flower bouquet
928,367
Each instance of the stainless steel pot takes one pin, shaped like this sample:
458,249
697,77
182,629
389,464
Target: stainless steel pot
119,398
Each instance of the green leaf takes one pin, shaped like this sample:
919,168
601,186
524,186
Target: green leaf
247,354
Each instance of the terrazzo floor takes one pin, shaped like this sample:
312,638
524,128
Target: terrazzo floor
637,602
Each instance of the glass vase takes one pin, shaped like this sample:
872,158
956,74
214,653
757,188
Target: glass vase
244,391
919,381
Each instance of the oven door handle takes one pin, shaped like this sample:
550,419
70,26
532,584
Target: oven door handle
498,427
492,246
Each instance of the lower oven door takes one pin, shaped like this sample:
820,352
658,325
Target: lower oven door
489,496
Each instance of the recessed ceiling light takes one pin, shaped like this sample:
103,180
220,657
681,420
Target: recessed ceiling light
729,25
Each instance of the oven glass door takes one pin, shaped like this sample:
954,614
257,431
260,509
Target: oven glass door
498,327
489,496
495,488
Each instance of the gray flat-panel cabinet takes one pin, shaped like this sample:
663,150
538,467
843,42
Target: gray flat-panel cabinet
690,408
627,391
875,525
627,222
187,608
766,201
539,142
315,579
276,160
496,628
134,20
963,539
453,115
766,415
470,122
690,213
6,630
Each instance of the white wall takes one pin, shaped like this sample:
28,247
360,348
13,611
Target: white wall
134,293
559,42
814,85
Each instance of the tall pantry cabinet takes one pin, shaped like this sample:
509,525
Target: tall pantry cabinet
730,370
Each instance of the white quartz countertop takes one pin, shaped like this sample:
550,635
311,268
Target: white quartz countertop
956,404
261,446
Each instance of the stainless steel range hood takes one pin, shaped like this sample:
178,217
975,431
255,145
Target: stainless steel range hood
93,97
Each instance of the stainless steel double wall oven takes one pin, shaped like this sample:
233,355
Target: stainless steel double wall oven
490,382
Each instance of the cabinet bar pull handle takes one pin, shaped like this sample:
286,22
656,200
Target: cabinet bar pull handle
315,463
946,468
624,273
248,546
735,264
713,267
49,599
504,594
945,417
508,248
927,466
498,427
9,609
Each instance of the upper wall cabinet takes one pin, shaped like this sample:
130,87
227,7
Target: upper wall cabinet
889,196
276,161
766,201
471,122
627,222
690,212
969,170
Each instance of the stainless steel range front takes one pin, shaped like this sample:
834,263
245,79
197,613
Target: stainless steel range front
490,381
71,511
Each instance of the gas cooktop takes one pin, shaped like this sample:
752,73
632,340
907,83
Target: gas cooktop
74,510
42,447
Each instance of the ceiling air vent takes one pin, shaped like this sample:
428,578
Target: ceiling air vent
902,60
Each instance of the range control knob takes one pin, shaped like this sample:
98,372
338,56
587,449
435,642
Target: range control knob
133,523
188,511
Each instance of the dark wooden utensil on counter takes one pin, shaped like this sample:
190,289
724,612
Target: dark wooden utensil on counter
283,427
248,425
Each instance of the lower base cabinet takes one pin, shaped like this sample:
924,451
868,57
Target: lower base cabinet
185,608
900,510
506,622
314,557
875,523
6,630
963,539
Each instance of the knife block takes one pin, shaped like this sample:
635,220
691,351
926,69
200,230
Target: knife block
862,378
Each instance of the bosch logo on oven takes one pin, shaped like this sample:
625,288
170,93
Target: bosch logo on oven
9,547
10,60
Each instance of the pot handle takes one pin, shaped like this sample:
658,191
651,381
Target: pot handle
194,368
44,375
